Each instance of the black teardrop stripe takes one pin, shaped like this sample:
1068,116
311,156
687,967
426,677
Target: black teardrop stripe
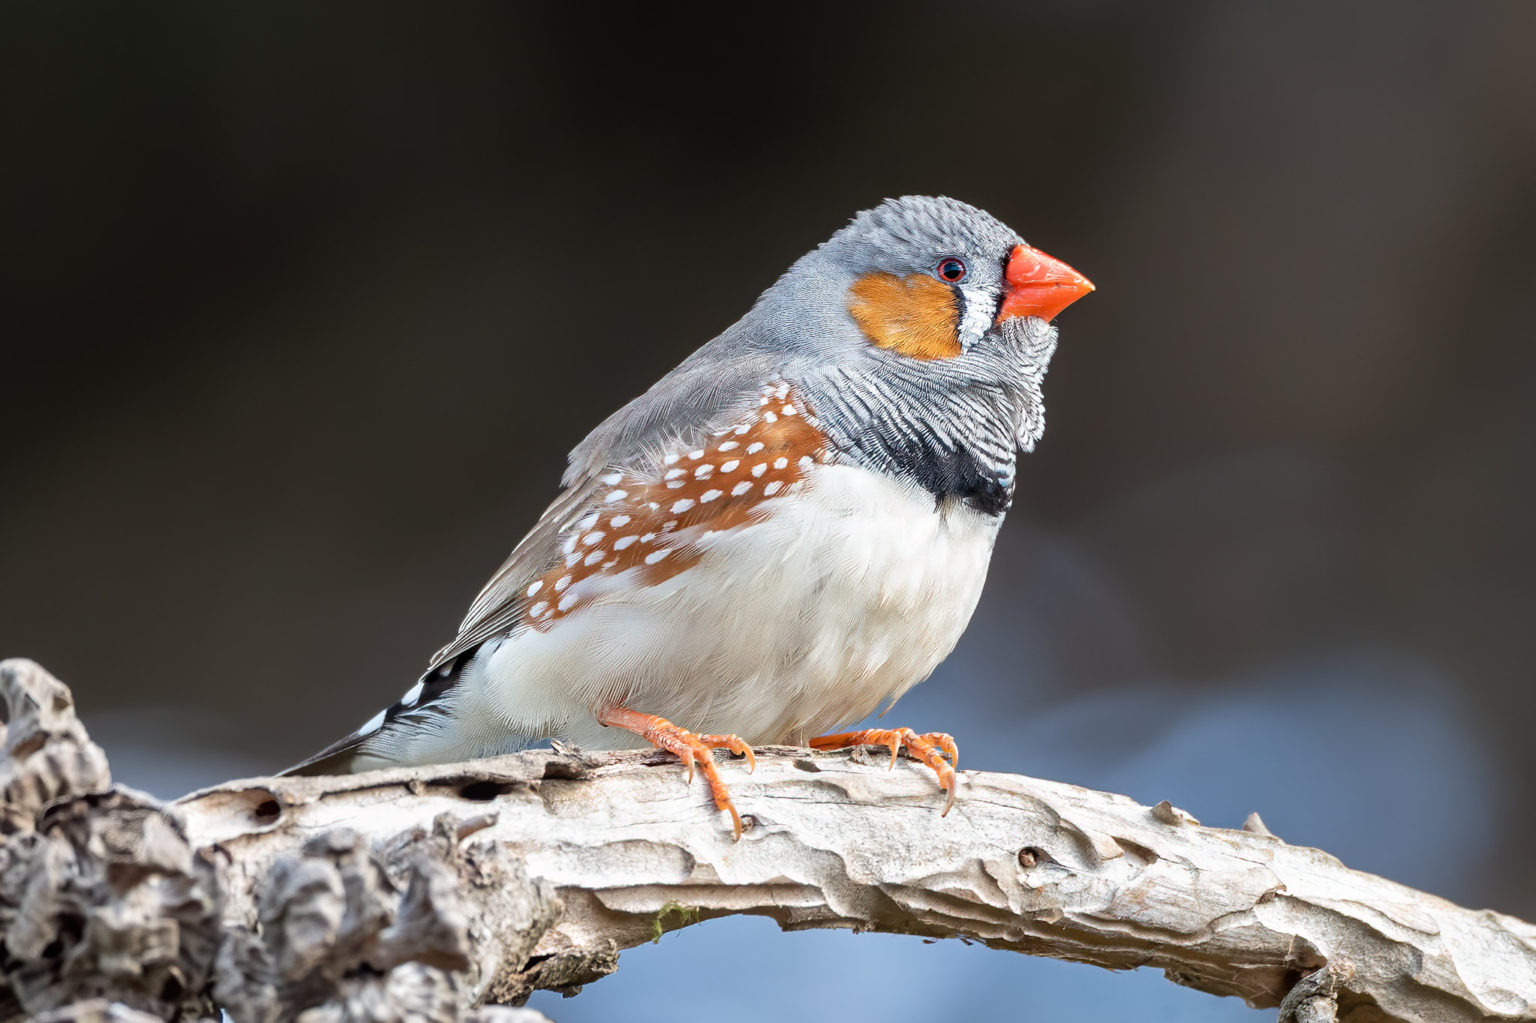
951,473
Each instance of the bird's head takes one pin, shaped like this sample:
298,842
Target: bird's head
923,324
919,334
925,278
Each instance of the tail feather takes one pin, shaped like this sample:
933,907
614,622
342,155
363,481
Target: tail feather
338,758
351,753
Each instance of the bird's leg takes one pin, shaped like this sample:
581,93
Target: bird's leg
663,734
931,748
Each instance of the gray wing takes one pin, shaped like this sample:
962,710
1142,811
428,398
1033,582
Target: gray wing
712,385
719,381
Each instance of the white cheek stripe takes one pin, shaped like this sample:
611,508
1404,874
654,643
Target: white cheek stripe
978,316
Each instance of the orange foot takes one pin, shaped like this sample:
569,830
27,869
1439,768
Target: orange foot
663,734
930,748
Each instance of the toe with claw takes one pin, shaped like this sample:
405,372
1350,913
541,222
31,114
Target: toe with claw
690,748
931,748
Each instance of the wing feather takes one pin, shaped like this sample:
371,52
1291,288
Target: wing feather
503,599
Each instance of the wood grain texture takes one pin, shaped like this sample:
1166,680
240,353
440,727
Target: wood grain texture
835,840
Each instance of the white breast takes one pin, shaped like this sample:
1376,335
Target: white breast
847,594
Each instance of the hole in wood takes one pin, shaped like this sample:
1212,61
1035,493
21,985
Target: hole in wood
484,791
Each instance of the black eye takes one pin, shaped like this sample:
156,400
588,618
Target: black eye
951,270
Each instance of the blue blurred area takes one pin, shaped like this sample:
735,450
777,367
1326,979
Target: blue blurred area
739,967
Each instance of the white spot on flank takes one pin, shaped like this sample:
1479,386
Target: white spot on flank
588,522
570,543
675,484
611,479
537,610
566,601
730,466
673,474
754,447
595,556
571,559
790,410
619,521
617,495
806,461
759,468
740,430
729,445
624,541
696,454
536,587
647,538
781,391
678,507
772,488
703,471
655,556
373,724
593,537
562,583
669,524
770,417
708,496
670,459
740,488
780,463
411,696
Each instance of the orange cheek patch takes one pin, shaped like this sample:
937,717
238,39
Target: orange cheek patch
915,316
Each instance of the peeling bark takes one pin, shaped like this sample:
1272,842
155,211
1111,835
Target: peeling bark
345,898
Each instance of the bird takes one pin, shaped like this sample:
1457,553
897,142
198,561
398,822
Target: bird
789,529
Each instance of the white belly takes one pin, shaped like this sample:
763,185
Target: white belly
847,595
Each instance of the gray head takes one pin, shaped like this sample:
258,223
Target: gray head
920,277
920,332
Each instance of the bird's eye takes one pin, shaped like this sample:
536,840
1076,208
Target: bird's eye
951,270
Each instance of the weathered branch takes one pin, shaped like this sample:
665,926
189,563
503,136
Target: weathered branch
494,878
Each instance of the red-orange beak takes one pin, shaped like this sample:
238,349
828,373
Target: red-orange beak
1039,285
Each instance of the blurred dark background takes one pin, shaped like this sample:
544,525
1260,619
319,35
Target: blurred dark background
303,307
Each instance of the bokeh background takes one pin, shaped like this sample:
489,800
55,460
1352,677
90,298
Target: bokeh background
303,306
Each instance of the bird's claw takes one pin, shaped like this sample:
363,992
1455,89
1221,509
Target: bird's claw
735,744
691,749
930,747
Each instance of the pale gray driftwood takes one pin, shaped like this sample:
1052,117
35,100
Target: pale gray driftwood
483,881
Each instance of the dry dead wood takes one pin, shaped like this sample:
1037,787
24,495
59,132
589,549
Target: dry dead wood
440,889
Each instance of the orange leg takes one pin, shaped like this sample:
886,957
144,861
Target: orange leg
931,748
663,734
